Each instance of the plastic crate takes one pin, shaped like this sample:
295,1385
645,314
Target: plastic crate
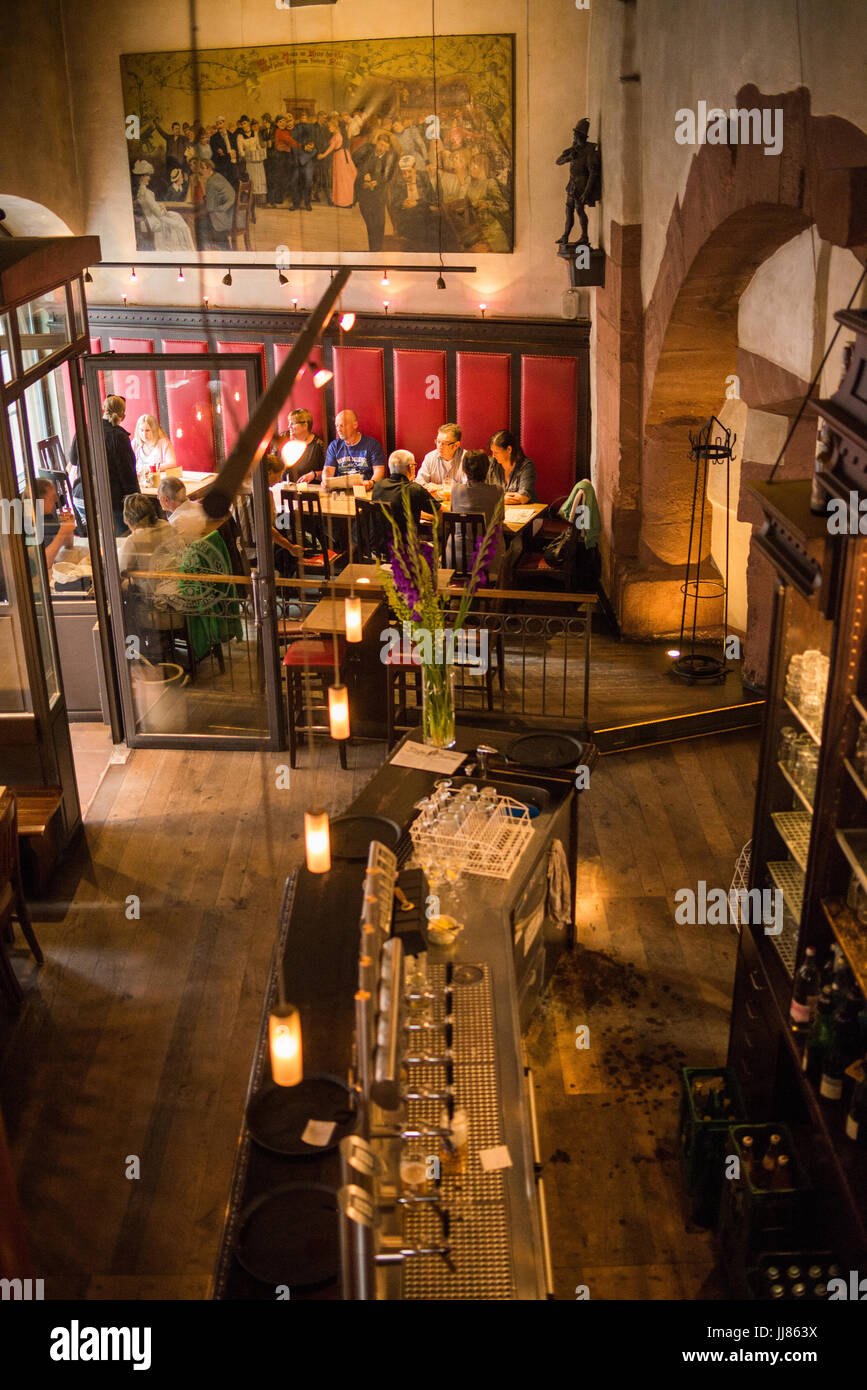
757,1283
755,1219
703,1140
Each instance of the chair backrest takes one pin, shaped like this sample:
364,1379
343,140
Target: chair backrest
8,835
51,454
62,486
369,531
459,535
243,203
304,524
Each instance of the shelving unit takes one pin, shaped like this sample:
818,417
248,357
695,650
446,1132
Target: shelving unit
811,852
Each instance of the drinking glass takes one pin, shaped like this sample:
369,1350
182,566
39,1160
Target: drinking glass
793,679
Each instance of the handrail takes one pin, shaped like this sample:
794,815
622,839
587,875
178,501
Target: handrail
312,582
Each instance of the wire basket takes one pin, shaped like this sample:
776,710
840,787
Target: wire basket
741,881
489,843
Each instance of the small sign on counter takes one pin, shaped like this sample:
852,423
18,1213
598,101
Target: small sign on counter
318,1132
430,759
492,1160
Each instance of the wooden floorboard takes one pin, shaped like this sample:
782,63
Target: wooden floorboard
137,1036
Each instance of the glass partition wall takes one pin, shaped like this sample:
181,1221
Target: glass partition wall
191,602
40,338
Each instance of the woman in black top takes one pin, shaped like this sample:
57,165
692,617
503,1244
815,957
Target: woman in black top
305,466
519,472
122,475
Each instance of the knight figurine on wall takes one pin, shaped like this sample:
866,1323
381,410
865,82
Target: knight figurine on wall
584,186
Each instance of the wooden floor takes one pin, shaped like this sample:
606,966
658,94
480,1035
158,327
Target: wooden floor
656,997
137,1035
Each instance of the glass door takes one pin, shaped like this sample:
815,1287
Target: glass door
191,599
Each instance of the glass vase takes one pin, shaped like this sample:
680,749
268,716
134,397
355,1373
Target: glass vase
438,705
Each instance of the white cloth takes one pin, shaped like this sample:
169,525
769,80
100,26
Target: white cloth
169,230
559,905
191,520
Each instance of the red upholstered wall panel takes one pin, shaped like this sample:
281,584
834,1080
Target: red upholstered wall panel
549,419
191,412
304,394
484,396
419,399
139,388
96,346
359,384
236,412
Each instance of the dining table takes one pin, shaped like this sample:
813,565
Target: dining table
195,483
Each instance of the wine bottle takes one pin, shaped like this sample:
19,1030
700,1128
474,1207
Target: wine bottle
748,1158
856,1120
819,1037
833,1067
782,1175
805,994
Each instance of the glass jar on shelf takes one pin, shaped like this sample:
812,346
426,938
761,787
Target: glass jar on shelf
793,679
786,746
807,767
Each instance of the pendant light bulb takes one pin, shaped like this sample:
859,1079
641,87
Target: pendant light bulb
441,284
385,305
88,278
321,375
180,275
352,619
227,278
284,1040
317,841
281,278
385,282
347,322
338,711
132,274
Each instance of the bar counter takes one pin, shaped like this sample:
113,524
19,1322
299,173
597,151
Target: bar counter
318,941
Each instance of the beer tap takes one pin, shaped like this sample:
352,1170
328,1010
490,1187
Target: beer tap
392,1251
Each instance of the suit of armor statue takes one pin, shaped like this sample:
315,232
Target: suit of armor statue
584,186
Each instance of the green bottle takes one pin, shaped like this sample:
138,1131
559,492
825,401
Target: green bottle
820,1037
856,1120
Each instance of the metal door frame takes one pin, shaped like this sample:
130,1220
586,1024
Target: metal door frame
262,589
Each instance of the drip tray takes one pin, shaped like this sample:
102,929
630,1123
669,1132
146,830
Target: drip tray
291,1236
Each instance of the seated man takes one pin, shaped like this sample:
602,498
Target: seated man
392,491
353,452
479,495
55,529
444,464
189,517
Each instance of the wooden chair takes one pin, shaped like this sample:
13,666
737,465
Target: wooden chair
460,533
39,837
368,537
12,901
242,216
304,524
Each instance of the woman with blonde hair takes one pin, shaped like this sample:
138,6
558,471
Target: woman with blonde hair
153,449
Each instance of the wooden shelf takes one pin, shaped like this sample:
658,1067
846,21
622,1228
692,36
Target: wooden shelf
853,843
793,709
795,788
851,936
856,778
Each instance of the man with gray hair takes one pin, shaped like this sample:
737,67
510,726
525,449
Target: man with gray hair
391,491
188,517
444,464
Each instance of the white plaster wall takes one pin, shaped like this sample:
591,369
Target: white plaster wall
550,96
776,311
691,50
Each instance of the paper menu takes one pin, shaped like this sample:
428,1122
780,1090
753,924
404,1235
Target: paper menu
430,759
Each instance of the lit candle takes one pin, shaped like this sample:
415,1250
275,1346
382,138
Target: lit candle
338,711
284,1038
317,840
352,619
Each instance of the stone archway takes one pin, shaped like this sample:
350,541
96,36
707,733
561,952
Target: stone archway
24,218
738,208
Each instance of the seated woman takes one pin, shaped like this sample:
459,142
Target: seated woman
519,472
479,494
303,453
149,545
153,449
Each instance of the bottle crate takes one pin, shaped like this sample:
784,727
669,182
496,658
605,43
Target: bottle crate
755,1219
703,1139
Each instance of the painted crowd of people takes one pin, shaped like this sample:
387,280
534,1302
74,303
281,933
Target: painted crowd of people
432,181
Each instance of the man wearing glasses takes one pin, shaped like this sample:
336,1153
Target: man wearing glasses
444,464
